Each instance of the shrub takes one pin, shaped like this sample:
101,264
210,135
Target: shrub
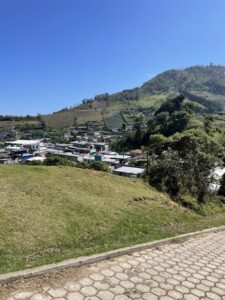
99,166
58,161
82,165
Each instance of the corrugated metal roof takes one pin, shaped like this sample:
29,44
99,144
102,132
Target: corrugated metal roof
129,170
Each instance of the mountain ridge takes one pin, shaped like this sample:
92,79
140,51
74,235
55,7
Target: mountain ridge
203,85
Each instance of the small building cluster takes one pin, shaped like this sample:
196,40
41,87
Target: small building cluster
95,147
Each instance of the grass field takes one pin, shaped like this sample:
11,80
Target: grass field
17,124
101,111
115,121
66,118
48,214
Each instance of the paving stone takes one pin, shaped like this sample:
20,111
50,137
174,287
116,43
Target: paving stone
213,296
203,287
107,272
105,295
144,275
150,296
207,283
193,280
198,293
127,284
125,265
190,297
188,284
218,291
112,281
152,272
57,293
99,285
140,259
220,285
133,294
213,279
75,296
116,269
121,276
158,278
166,286
182,289
22,295
133,262
142,288
173,281
96,276
136,279
179,277
121,297
117,290
158,291
40,297
86,282
72,286
175,294
88,291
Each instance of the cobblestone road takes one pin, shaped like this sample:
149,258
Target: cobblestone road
191,270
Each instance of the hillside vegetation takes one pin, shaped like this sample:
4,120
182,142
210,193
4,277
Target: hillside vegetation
48,214
203,85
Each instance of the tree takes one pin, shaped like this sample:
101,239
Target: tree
139,131
221,191
172,105
164,172
208,123
183,163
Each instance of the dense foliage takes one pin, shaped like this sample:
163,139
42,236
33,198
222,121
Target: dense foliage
181,148
55,160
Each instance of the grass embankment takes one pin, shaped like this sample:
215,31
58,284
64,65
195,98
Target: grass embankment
48,214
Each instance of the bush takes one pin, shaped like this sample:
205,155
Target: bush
99,166
33,163
82,165
58,161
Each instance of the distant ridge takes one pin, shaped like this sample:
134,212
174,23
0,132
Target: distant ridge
204,85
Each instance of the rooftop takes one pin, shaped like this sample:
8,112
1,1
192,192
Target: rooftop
24,142
129,170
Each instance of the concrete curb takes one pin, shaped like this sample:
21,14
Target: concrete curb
86,260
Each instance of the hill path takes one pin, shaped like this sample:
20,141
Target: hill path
194,269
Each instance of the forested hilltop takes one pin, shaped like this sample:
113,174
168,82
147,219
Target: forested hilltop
203,85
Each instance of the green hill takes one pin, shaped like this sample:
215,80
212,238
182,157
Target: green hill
48,214
203,85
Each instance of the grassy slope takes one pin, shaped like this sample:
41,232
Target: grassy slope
52,213
7,125
101,114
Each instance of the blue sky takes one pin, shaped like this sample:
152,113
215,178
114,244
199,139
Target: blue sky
54,53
